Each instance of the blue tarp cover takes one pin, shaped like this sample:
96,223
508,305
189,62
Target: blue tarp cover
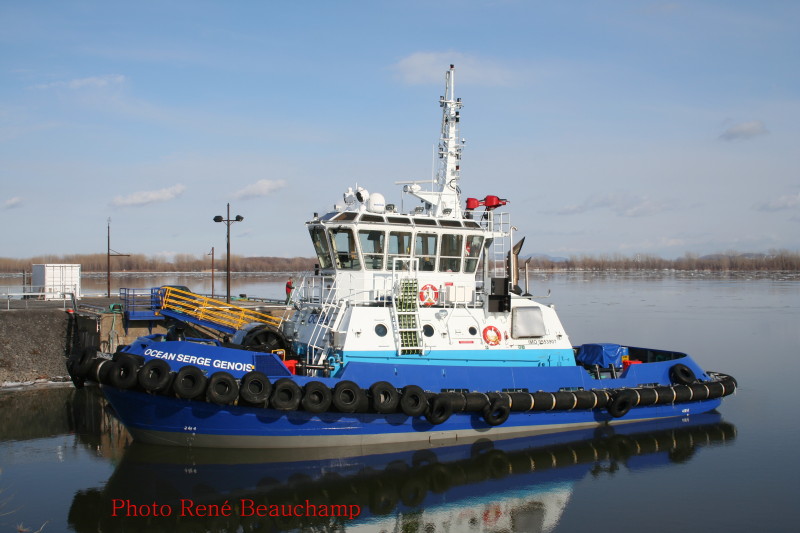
603,354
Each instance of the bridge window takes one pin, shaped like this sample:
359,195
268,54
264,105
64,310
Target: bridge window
321,246
344,249
373,246
473,252
425,251
399,248
450,260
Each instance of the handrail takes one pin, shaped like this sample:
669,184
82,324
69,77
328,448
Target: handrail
211,310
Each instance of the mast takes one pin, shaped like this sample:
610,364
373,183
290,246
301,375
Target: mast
445,200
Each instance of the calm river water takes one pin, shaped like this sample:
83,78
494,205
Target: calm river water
67,465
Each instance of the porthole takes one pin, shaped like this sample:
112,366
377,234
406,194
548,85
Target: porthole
380,330
427,330
472,330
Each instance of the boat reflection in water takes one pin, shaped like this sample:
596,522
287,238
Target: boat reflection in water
515,485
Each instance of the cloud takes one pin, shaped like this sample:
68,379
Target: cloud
148,197
428,67
625,205
11,203
782,203
83,83
744,130
259,188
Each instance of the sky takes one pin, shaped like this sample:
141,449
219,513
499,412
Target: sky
625,127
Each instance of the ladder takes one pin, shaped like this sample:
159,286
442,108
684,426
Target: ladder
320,339
407,326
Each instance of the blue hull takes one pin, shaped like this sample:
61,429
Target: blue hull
165,420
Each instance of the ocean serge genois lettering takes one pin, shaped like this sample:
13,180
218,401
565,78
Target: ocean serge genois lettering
244,507
199,360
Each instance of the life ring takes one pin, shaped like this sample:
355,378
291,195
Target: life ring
429,295
492,335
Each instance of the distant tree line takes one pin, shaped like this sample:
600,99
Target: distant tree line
775,260
179,263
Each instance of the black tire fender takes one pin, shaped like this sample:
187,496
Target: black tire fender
348,397
286,395
123,373
440,411
255,388
317,397
621,404
189,383
414,401
497,412
155,375
222,388
682,374
385,397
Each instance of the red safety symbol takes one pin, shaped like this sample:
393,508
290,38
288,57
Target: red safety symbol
491,335
429,295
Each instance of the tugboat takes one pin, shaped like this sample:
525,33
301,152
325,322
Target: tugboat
413,328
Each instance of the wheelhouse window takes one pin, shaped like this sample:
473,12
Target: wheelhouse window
473,252
345,251
425,251
450,260
373,246
399,247
321,246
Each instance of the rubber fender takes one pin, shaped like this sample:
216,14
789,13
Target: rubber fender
586,399
621,404
543,401
413,401
699,391
347,396
317,397
682,374
222,389
286,395
155,376
475,401
101,370
123,373
83,364
565,401
457,400
385,398
189,383
255,388
647,396
440,410
521,401
497,412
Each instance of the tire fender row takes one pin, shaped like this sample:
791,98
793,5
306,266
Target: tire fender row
129,371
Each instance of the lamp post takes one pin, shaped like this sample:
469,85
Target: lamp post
228,221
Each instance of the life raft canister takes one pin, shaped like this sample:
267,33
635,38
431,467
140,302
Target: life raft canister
429,295
491,335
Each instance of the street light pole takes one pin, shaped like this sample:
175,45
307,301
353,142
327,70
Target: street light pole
228,221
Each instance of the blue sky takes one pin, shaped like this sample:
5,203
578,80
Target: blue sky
612,127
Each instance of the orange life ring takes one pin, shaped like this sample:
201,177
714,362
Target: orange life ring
429,295
491,335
